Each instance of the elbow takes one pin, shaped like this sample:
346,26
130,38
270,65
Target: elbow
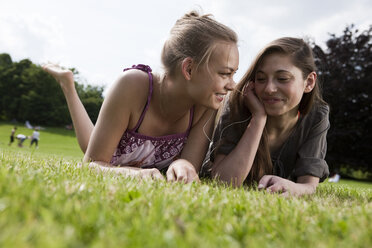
312,187
97,158
309,189
221,172
309,184
86,159
214,172
228,180
236,182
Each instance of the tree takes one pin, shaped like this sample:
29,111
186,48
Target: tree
91,97
29,93
345,69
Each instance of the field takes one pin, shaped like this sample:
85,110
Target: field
47,201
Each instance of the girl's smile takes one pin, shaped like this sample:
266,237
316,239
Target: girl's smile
271,100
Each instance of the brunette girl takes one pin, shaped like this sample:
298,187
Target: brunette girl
273,129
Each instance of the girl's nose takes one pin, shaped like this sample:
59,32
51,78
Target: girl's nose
270,87
230,85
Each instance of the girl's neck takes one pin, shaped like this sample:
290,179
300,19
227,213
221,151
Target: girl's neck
282,125
171,99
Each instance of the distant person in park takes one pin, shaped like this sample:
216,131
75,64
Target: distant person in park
21,138
12,135
35,137
273,129
147,117
28,125
335,177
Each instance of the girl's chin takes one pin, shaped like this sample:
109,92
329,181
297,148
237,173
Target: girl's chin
273,113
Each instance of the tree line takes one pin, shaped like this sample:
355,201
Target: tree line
344,69
29,93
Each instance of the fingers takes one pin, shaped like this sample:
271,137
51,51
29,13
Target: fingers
151,174
180,174
274,184
264,182
157,175
244,90
286,194
275,188
182,171
192,176
170,175
250,86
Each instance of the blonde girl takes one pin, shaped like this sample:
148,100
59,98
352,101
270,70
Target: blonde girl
151,122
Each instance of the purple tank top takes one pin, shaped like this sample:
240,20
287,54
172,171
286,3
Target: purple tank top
137,150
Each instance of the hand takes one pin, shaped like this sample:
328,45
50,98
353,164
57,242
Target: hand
182,170
150,174
251,100
275,184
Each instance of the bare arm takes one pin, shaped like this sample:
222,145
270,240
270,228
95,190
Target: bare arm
187,167
235,167
198,140
112,122
126,170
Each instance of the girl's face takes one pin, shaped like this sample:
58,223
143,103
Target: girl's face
211,82
280,85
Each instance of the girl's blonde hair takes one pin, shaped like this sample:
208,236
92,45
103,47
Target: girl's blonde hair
302,57
193,36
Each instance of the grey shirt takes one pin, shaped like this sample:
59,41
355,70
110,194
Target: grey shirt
301,154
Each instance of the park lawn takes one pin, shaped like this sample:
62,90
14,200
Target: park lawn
53,141
355,183
47,201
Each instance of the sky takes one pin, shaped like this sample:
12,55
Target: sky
100,38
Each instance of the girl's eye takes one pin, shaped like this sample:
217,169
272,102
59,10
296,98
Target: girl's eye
283,79
225,74
260,80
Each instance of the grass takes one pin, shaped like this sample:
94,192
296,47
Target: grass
53,141
356,184
47,201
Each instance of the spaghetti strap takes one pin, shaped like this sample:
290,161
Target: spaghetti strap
147,69
143,151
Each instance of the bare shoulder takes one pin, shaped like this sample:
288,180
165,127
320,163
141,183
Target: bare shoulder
130,89
132,81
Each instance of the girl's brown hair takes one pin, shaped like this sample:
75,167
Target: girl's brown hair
302,57
194,36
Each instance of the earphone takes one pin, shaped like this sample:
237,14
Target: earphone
223,130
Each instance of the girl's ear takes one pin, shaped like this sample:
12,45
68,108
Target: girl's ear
186,68
310,82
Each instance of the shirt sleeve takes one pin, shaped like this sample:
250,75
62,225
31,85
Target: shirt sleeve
311,154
